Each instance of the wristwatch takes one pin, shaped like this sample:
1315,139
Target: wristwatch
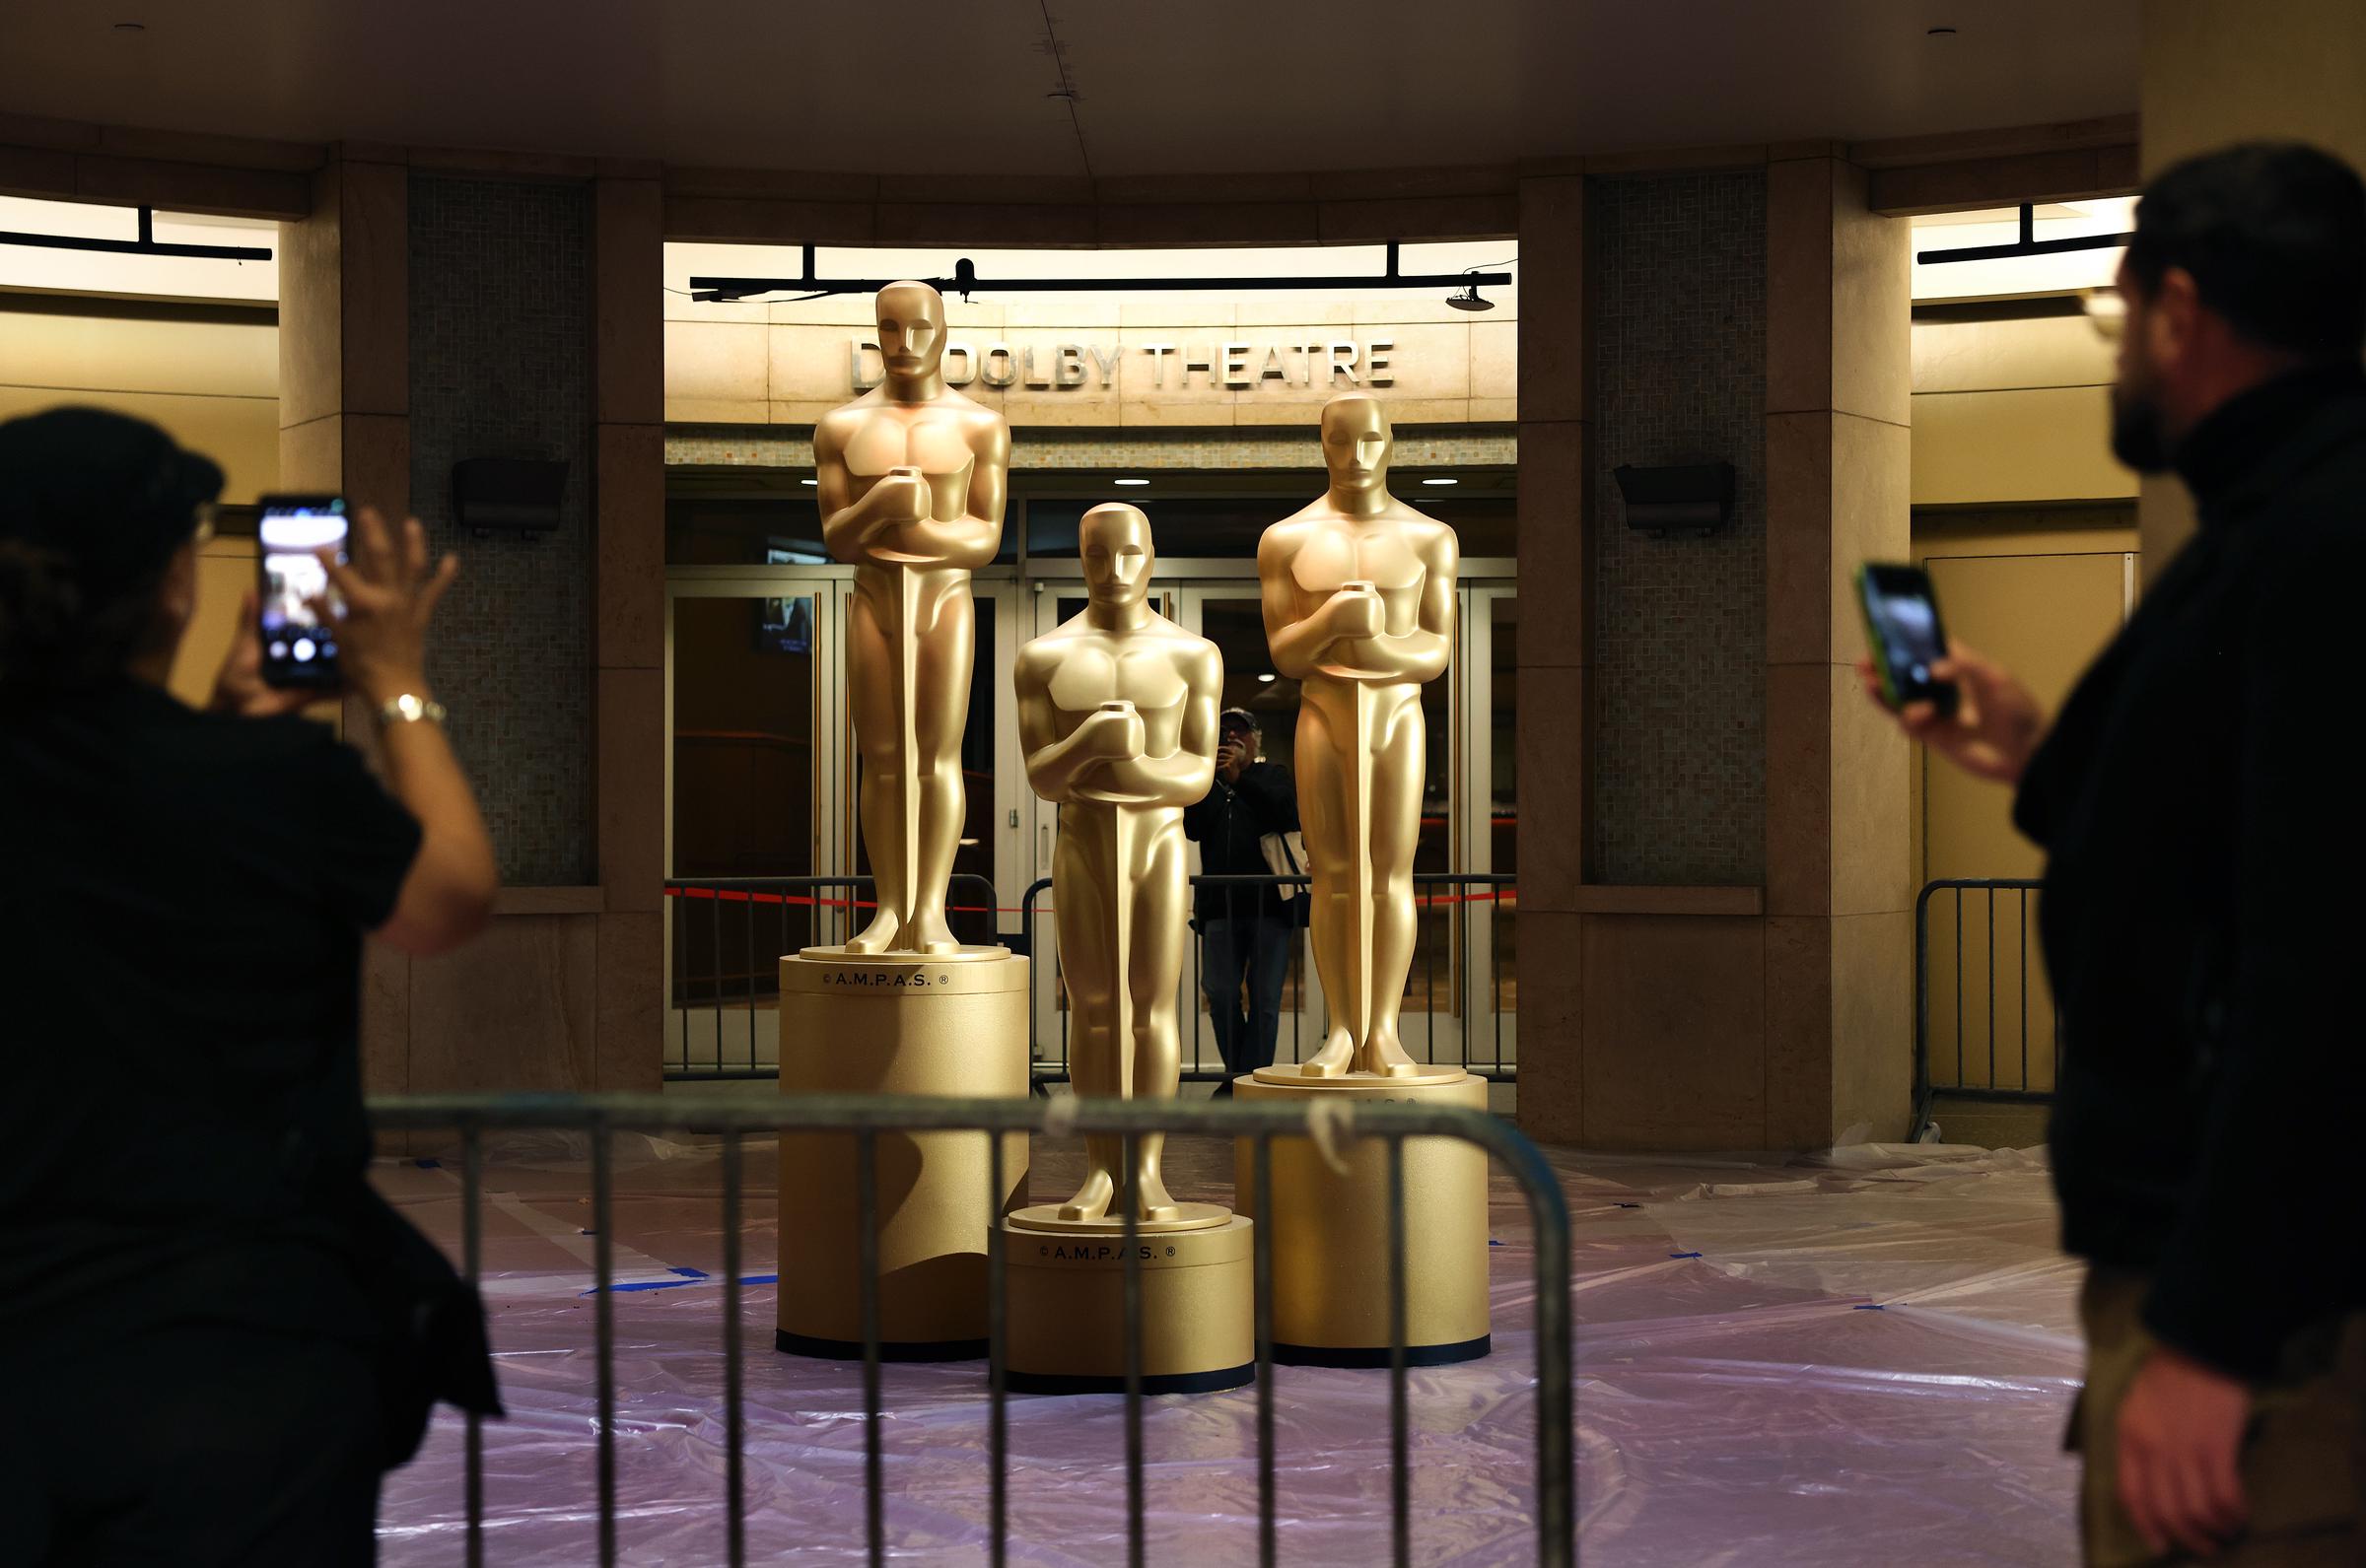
409,710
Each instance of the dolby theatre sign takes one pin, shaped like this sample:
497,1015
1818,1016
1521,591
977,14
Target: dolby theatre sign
1293,362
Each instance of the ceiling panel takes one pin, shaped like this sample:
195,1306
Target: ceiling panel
965,86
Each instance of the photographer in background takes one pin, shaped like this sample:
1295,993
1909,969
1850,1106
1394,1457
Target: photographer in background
1244,931
213,1336
2202,875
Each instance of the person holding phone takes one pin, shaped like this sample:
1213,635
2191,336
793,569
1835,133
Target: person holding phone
1244,930
214,1337
2204,866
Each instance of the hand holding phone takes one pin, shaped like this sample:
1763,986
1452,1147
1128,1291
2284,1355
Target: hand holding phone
297,619
1944,695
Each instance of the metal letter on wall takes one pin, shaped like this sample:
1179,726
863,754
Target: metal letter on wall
1237,363
858,374
969,363
1377,369
1068,365
1347,367
1010,369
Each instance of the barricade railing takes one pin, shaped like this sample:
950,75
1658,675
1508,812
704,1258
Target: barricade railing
726,940
1985,1024
733,1120
1443,982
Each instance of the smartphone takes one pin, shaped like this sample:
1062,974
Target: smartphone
300,648
1903,630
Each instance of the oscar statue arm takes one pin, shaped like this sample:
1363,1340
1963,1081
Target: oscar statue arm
1183,777
974,538
849,524
1054,763
1297,643
1420,654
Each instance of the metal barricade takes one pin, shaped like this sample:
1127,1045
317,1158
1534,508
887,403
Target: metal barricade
1458,894
1962,1016
733,1120
727,934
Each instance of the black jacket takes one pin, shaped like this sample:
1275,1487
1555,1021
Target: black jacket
1227,822
2204,886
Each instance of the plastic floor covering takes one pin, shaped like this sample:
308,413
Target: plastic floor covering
1862,1358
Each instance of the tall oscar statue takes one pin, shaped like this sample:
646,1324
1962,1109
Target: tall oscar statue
911,478
1358,595
1117,713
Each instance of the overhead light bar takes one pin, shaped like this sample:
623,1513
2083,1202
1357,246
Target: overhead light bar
2028,244
146,246
965,282
1129,481
1442,481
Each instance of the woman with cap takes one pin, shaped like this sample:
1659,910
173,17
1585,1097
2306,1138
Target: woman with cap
213,1335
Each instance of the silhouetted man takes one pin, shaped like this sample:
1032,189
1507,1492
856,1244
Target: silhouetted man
2205,868
1244,931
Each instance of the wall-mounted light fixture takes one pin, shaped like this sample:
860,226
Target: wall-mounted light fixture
1686,497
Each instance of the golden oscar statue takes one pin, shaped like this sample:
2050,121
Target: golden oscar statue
911,478
1117,713
1358,593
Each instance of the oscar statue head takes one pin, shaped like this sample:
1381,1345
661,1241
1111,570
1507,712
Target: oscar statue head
1355,443
1115,542
911,318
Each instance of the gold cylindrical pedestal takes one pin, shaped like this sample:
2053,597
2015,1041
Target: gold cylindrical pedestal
897,1024
1067,1324
1330,1240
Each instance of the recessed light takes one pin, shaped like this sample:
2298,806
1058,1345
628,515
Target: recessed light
808,480
1942,33
1131,481
1442,481
131,27
1267,676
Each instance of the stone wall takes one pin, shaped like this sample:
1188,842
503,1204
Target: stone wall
501,367
1676,278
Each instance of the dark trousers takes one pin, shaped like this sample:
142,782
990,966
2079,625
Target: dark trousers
1252,955
192,1446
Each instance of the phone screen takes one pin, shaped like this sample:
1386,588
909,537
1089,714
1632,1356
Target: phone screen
1901,621
300,649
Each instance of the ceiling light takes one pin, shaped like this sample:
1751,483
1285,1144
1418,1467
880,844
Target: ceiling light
1942,33
808,480
1267,676
1468,300
1442,481
131,27
1131,481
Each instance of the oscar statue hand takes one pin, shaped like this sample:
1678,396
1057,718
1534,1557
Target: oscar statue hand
1114,734
900,498
2181,1439
1355,611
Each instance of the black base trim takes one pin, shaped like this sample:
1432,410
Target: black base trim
799,1344
1378,1356
1165,1383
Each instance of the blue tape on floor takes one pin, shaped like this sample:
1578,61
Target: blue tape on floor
1684,1255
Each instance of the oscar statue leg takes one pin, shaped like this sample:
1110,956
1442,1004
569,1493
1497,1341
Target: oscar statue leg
946,652
872,679
1324,776
1396,834
1155,968
1088,970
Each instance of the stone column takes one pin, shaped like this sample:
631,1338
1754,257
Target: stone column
344,424
1552,649
2221,70
1839,895
629,620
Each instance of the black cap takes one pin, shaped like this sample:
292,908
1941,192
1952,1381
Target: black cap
1237,719
111,495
